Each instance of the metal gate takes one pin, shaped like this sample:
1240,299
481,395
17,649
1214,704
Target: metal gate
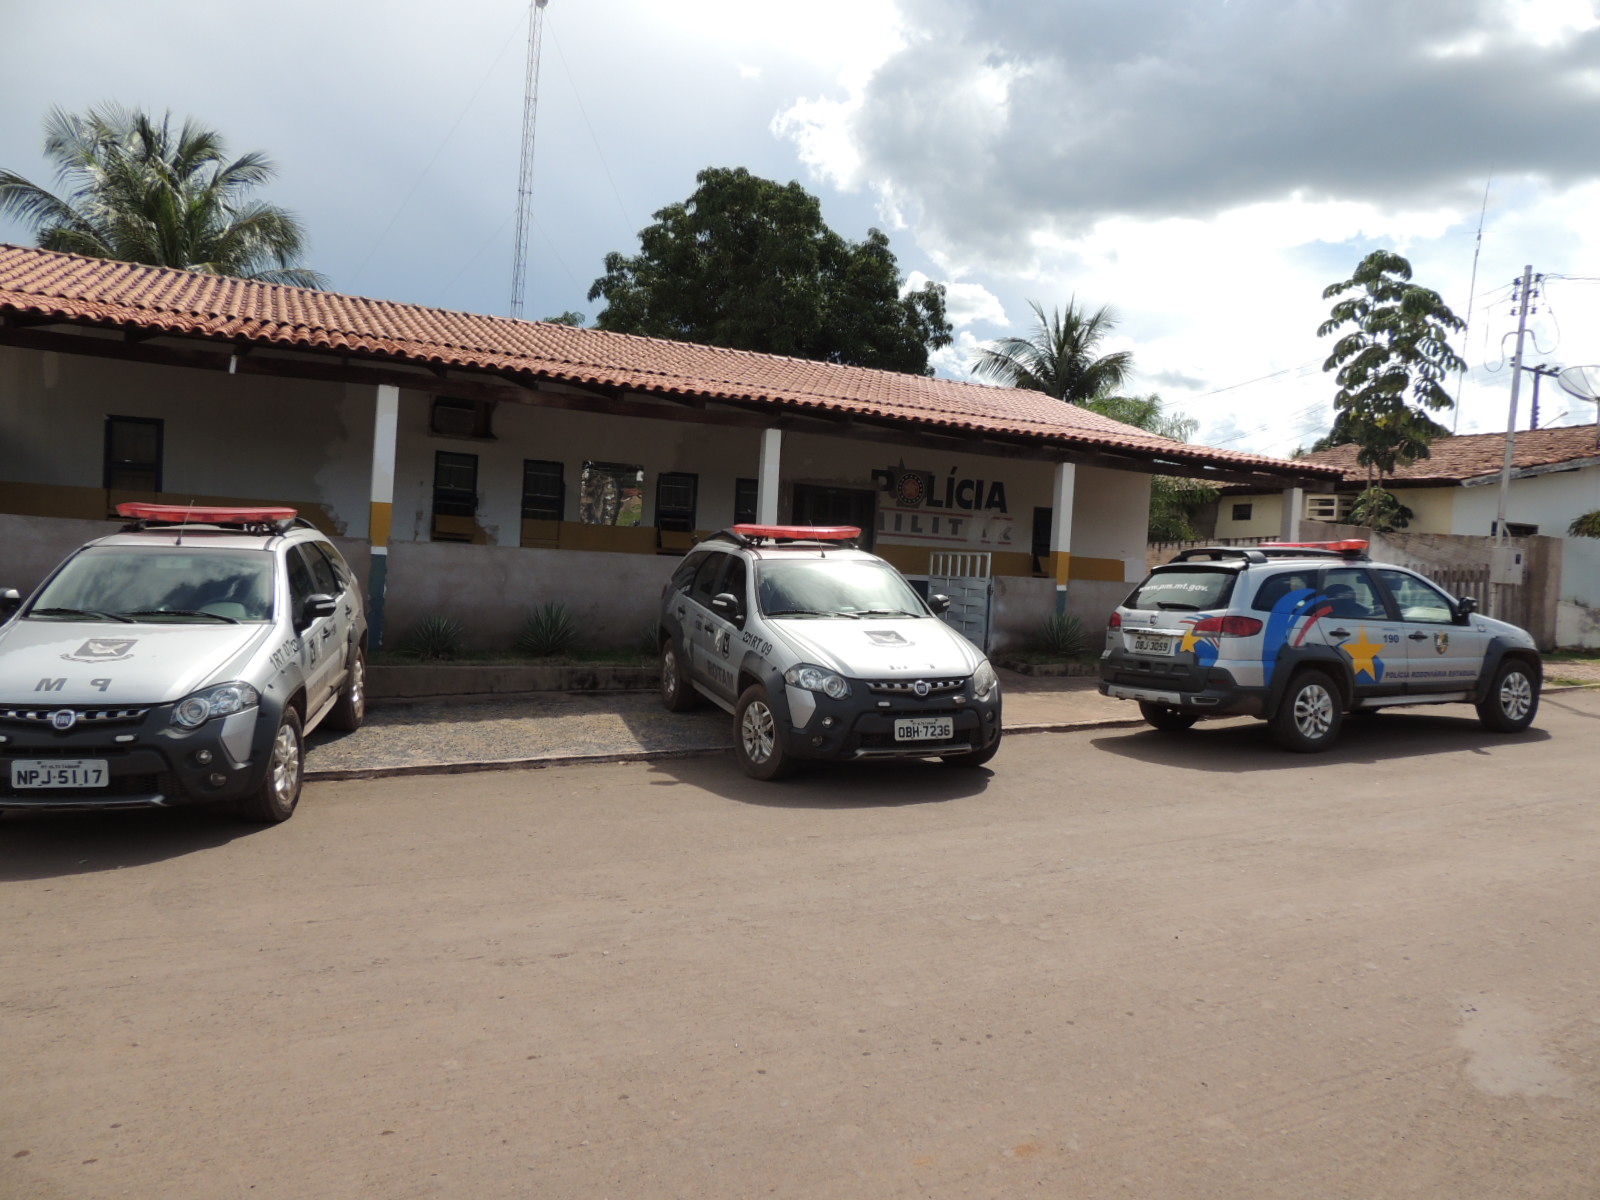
965,579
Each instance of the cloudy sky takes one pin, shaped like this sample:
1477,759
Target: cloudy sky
1206,167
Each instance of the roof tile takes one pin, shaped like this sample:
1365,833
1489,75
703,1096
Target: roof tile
182,302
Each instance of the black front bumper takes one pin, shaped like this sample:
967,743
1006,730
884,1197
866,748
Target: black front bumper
863,726
149,763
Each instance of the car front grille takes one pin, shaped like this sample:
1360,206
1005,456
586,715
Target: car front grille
82,716
908,688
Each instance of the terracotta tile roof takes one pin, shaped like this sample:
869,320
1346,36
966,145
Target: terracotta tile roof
1474,455
185,303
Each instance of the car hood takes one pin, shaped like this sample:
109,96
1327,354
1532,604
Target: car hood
881,648
92,662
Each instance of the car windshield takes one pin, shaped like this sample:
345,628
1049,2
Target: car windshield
834,587
170,583
1183,589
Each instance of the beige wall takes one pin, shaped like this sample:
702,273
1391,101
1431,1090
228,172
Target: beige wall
1266,516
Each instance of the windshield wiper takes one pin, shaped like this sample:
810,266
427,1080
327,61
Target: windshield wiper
178,612
811,612
79,612
886,612
1168,606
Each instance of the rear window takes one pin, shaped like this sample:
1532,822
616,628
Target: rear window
1183,589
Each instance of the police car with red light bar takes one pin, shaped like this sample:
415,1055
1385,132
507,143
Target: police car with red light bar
1301,633
820,650
183,659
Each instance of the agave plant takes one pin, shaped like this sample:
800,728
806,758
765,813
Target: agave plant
434,638
1061,635
547,630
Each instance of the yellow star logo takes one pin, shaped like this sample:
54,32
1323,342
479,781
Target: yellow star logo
1189,639
1364,658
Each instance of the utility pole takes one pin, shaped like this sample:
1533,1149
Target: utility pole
1501,569
1541,369
530,111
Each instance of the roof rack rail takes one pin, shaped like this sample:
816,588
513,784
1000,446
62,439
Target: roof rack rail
1218,553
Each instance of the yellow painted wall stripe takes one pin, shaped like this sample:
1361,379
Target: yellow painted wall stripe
380,523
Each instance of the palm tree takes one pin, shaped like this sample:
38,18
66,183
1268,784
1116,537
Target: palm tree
136,192
1059,359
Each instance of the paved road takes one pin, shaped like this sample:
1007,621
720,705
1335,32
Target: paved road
1120,965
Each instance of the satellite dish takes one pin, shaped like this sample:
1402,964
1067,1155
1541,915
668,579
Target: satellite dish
1582,382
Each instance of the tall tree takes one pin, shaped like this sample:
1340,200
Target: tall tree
135,190
1389,362
1174,500
748,263
1059,357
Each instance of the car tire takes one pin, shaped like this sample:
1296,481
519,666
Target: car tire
976,758
757,743
350,710
677,693
1309,715
1166,718
1513,698
274,801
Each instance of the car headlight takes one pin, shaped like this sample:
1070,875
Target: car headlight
816,679
984,681
222,700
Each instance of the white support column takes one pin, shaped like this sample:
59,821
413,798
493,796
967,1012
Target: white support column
767,477
1294,503
1061,529
380,520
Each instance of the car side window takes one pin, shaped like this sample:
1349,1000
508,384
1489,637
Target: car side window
704,586
1273,591
684,575
322,573
734,581
341,569
1417,599
301,581
1351,594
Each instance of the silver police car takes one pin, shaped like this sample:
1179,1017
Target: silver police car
821,651
183,659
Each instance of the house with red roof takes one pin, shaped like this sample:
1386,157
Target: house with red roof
476,465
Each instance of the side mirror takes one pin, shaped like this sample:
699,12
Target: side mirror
726,606
316,606
1465,607
10,601
940,604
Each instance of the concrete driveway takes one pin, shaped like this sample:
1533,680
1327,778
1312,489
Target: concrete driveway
1121,964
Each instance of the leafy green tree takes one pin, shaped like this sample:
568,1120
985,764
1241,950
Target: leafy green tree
1587,525
1391,356
136,191
748,263
1380,510
1174,501
1059,357
574,319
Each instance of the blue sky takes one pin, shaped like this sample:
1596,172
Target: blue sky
1204,166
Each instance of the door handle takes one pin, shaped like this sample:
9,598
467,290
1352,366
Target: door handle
1419,636
1340,633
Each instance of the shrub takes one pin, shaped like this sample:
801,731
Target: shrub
548,630
1062,635
433,638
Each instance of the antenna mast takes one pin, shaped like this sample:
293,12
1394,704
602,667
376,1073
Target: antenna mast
530,111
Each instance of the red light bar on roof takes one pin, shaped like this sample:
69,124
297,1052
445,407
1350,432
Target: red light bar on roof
1348,546
200,514
804,533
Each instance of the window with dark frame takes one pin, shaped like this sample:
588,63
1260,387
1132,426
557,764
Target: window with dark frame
745,498
676,493
455,495
1241,512
544,493
133,454
1040,545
